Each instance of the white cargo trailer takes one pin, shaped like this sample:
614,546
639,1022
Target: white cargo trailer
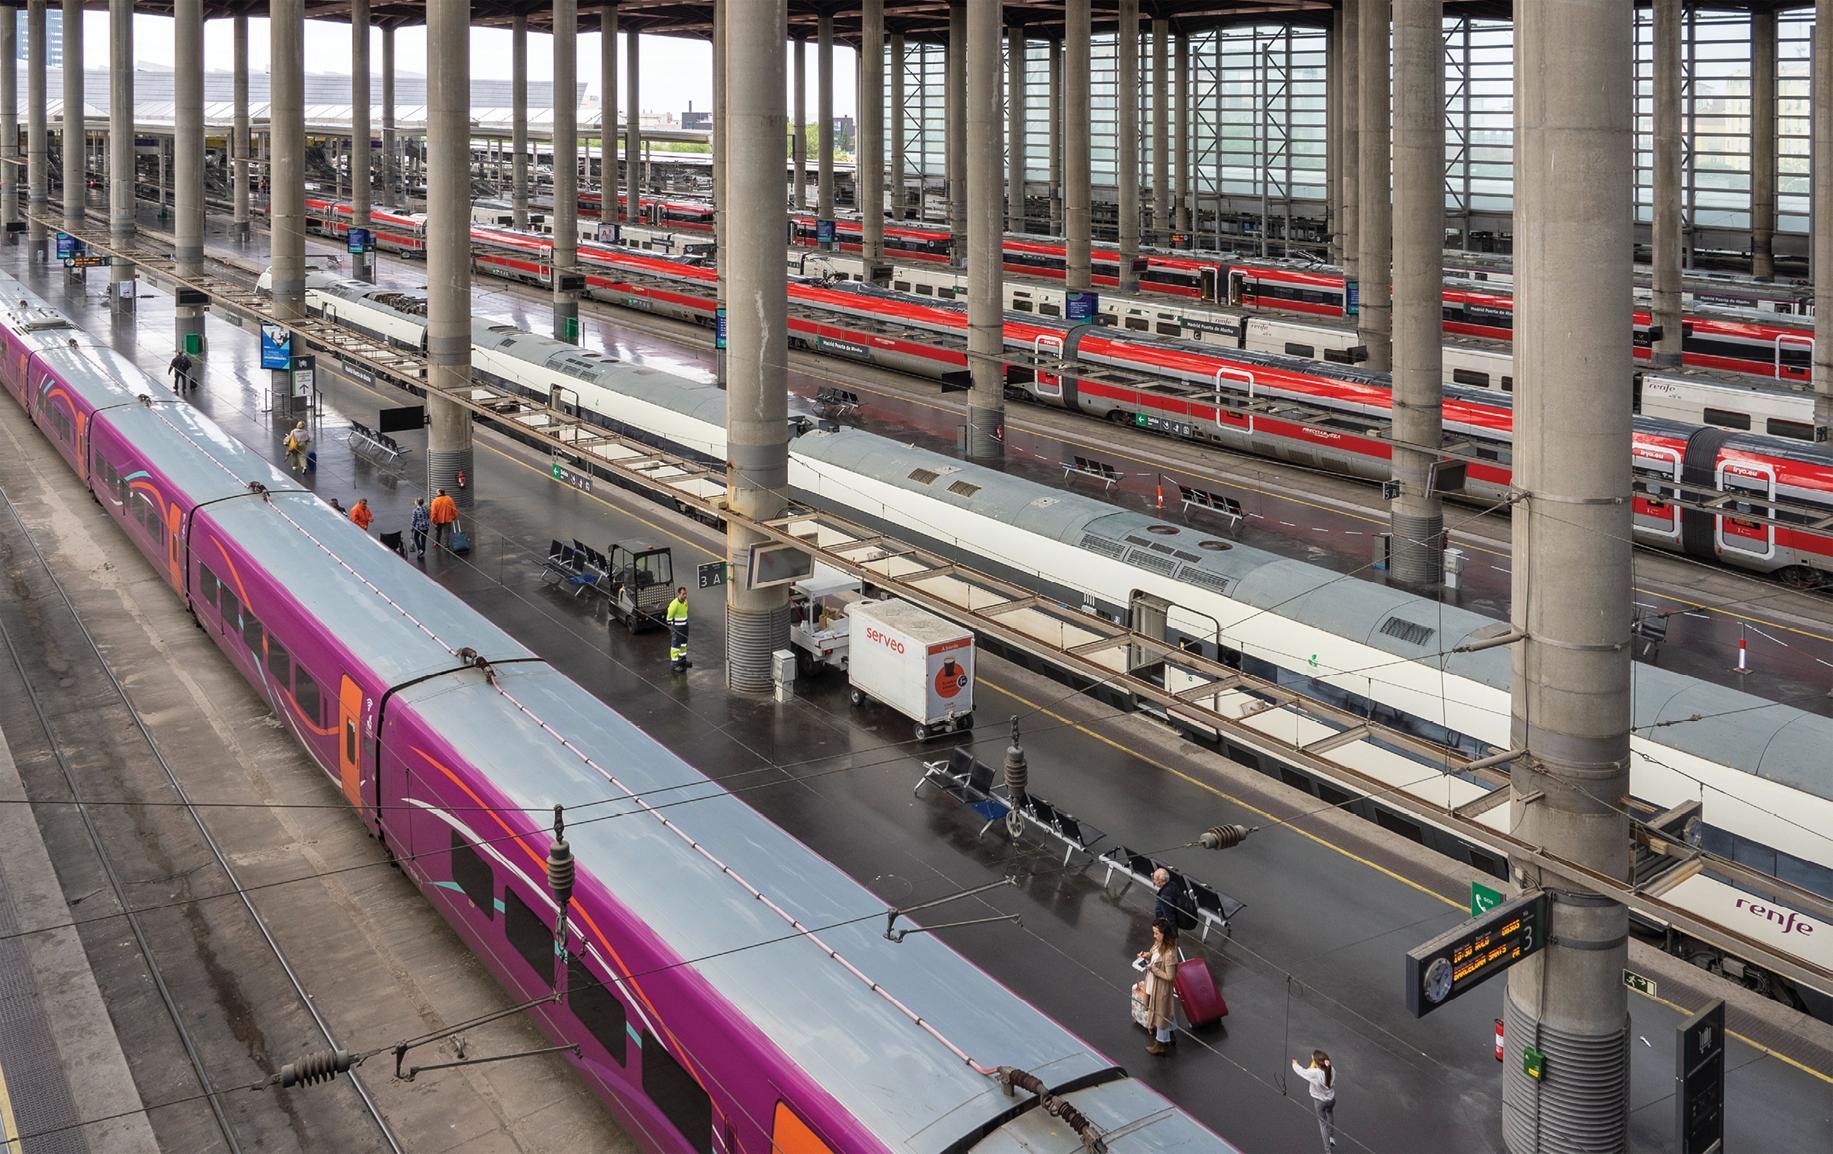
917,663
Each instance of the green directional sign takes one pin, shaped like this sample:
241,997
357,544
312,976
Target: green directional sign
1482,898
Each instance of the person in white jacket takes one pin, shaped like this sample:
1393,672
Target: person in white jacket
1323,1095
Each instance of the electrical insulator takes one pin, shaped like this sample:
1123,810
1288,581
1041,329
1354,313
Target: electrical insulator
560,864
1226,836
323,1066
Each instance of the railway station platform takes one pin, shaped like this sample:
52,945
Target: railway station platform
1332,902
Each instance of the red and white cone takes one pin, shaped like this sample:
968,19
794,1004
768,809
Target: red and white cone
1743,653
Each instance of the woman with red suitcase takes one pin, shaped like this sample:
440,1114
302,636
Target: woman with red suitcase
1161,982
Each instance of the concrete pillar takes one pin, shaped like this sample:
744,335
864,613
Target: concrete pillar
9,117
1056,137
1180,143
1763,143
985,240
286,158
1821,228
1375,321
448,246
1161,131
633,124
1349,195
238,131
566,163
1416,516
121,228
1664,312
74,131
1333,134
954,132
1076,224
188,159
1126,143
757,397
518,99
869,173
1015,126
607,120
391,156
721,213
1572,564
824,112
362,195
799,181
900,194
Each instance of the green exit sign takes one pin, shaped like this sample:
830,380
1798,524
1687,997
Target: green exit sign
1639,983
1482,899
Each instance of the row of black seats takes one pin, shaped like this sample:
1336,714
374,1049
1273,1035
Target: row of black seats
379,440
579,565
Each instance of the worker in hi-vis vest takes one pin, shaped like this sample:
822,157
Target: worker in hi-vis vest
677,631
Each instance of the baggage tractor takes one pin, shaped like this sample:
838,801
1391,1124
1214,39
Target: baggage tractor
1196,989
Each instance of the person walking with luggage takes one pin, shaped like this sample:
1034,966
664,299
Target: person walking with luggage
422,524
443,513
180,371
1323,1095
677,632
1161,983
361,515
297,442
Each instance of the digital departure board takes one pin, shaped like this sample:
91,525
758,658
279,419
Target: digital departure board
1474,952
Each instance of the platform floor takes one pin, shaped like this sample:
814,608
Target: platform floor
1332,902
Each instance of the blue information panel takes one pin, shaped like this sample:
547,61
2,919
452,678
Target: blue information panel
1083,306
360,240
824,232
68,245
276,347
1352,298
719,329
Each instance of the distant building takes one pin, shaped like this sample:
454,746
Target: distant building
54,36
697,121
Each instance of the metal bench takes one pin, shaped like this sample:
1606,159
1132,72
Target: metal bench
1074,833
1215,909
361,436
836,401
1207,501
1087,467
969,781
574,565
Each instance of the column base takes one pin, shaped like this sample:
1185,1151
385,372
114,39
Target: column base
444,467
1414,556
362,267
984,430
566,319
1582,1101
751,636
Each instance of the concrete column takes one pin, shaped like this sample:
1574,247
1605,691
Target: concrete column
238,131
1416,517
1015,127
869,173
986,402
121,228
74,131
1763,143
1821,228
757,397
607,120
900,194
1333,134
286,143
566,163
633,124
721,213
1349,136
391,156
1161,131
1180,144
1572,563
448,246
1076,224
188,159
362,194
9,117
954,131
1056,138
1664,312
1126,143
824,112
1375,321
798,201
37,144
518,99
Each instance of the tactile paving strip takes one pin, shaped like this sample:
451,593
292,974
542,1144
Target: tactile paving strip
28,1054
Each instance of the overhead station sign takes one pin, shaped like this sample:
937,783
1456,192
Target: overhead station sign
1474,952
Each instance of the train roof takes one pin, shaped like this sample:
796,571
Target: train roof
879,1065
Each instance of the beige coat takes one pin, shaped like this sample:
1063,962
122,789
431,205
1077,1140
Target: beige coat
1161,979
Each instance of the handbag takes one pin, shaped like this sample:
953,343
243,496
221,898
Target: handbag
461,540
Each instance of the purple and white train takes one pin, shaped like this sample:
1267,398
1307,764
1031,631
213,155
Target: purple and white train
728,989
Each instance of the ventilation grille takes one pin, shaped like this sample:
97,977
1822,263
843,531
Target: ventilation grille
1211,581
923,476
1183,556
1104,547
964,488
1410,632
1142,542
1146,560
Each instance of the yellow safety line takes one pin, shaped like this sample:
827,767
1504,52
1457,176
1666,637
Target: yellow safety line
9,1129
607,504
1753,1045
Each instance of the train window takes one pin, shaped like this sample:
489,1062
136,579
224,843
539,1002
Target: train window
1295,779
1024,306
232,609
1799,430
790,1135
1727,419
1298,350
531,937
206,584
1508,384
279,663
947,294
924,290
1399,825
1487,864
305,695
1049,310
473,877
680,1098
1331,795
1137,324
1165,330
902,286
251,633
1243,757
597,1008
101,466
1470,377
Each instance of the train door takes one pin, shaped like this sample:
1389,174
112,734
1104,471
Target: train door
1654,513
1747,536
349,739
1046,384
1223,416
1798,368
1207,281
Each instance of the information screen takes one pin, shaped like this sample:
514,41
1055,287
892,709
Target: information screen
1474,952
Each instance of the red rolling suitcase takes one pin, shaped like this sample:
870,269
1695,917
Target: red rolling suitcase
1196,989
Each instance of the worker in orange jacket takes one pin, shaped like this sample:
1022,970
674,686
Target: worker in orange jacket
443,513
361,515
